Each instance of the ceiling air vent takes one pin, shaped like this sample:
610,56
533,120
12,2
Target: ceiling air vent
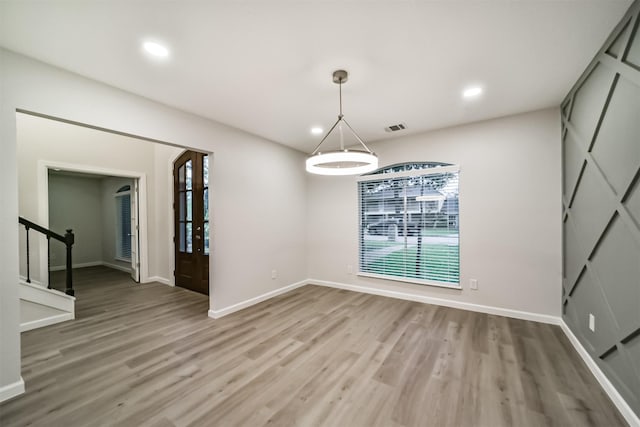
395,128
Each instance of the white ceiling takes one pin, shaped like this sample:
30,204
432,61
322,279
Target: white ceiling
265,66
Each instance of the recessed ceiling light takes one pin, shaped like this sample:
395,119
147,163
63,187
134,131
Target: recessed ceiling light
156,49
316,130
472,92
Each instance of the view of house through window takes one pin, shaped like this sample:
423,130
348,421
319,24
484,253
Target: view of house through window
409,224
123,223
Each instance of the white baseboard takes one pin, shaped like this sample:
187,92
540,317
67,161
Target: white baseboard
115,266
81,265
92,264
159,280
11,390
51,320
608,387
507,312
216,314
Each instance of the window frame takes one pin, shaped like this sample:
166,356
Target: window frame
379,175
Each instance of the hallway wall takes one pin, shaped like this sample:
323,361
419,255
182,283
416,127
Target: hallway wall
75,202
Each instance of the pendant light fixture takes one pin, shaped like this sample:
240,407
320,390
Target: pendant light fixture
343,161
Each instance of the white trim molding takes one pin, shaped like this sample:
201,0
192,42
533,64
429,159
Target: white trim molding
614,395
11,390
116,267
216,314
51,320
159,279
93,264
507,312
81,265
43,204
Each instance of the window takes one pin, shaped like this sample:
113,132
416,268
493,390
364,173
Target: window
409,224
193,177
123,223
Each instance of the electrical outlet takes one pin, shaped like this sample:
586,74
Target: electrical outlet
473,284
274,274
592,322
349,269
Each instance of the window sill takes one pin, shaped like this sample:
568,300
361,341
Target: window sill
123,259
412,281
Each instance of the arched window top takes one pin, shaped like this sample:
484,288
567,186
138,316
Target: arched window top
405,167
124,188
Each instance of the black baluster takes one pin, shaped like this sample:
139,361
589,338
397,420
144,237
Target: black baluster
69,240
28,267
49,261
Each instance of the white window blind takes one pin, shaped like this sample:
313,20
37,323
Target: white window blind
409,224
123,225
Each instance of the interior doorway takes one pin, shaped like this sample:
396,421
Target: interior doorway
191,221
103,211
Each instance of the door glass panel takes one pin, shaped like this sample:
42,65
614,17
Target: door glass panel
183,209
205,170
189,238
189,175
189,205
181,178
206,238
206,204
182,237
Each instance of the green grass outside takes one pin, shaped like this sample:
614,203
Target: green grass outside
438,232
378,244
436,263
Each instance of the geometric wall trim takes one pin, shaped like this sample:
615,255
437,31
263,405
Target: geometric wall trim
633,203
616,149
617,46
601,208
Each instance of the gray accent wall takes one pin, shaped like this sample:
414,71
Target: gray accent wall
601,208
75,202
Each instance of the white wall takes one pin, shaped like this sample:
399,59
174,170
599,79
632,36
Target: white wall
108,187
75,202
510,213
252,179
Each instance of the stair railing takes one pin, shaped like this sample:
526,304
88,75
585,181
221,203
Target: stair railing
68,239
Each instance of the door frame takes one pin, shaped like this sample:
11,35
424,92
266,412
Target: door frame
171,225
43,207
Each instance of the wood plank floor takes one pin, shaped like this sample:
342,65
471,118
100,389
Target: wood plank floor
148,355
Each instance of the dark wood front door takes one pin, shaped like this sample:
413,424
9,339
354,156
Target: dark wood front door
191,212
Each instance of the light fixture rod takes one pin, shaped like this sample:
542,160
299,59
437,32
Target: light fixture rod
357,136
339,77
326,135
340,86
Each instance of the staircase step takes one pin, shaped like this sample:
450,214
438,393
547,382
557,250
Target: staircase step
33,315
40,306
